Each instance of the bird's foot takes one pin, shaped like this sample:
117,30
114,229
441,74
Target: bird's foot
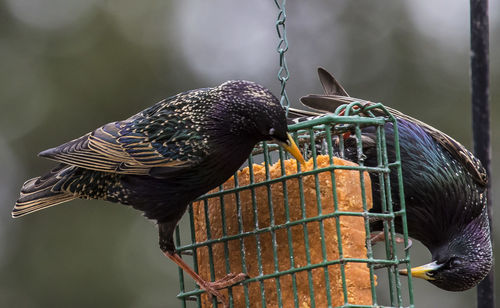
229,280
380,237
212,287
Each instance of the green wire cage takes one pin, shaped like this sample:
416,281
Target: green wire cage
316,138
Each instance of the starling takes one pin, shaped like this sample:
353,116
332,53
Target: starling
161,159
444,187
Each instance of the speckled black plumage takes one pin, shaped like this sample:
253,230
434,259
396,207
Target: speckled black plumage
164,157
444,187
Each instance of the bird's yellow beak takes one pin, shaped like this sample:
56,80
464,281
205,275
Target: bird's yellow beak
292,148
422,271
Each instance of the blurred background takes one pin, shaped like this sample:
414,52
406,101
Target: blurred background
69,66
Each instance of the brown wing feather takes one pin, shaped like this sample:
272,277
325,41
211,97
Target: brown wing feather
101,150
330,85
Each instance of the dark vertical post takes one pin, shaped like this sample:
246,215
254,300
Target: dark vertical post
481,116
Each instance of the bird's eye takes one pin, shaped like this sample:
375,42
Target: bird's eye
455,262
271,131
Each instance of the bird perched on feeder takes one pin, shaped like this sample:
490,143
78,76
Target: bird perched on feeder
164,157
444,187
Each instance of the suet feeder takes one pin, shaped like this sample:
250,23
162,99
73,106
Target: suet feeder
302,232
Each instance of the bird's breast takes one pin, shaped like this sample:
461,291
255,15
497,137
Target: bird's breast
161,198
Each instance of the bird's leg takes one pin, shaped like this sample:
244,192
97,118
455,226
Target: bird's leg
380,237
212,288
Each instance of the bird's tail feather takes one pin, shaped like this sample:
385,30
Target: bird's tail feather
42,192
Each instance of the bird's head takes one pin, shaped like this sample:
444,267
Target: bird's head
253,113
463,262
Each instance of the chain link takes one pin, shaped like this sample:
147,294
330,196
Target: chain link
283,74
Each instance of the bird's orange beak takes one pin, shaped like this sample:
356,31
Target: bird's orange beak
292,148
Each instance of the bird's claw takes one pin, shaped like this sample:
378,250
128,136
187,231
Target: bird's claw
185,252
229,280
401,240
212,287
380,237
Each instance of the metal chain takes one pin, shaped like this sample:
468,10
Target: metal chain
283,74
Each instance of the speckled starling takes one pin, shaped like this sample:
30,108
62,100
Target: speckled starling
164,157
444,187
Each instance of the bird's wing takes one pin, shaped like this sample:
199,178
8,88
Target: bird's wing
330,85
335,95
154,141
297,115
457,150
